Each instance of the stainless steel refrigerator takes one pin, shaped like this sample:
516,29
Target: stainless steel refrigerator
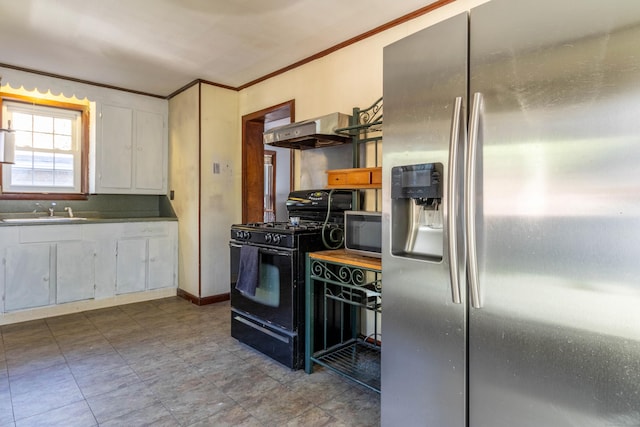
511,218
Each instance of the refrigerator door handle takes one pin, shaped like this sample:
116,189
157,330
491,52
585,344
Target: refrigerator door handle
451,206
470,200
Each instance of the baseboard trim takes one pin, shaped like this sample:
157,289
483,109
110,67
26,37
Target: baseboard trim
203,300
79,306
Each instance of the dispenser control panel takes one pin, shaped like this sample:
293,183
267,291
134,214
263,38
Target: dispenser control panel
420,181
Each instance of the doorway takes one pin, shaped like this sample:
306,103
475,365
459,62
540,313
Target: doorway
253,162
270,171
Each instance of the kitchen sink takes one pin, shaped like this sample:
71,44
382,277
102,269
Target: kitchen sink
45,219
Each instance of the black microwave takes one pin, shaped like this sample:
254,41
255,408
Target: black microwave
363,233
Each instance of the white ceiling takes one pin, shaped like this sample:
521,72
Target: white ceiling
159,46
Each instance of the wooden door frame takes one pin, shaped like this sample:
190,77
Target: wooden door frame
249,121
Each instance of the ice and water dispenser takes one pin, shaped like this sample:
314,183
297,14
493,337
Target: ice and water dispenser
416,211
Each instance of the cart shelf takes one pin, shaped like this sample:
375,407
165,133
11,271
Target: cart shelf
345,287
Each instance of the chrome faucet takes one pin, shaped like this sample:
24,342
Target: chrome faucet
68,209
51,209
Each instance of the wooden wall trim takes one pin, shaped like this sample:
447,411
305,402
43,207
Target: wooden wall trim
73,79
203,300
199,189
408,17
84,141
373,32
353,40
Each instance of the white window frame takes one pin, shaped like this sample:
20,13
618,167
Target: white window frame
8,108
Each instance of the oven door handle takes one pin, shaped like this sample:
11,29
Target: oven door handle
265,250
274,252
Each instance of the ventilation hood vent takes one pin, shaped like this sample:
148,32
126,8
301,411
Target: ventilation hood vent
314,133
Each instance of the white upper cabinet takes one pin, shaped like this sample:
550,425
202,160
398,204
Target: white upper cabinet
130,147
116,149
151,152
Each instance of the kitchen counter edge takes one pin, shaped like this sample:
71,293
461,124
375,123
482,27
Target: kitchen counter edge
87,221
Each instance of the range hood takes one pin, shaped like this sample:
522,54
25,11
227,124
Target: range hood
312,133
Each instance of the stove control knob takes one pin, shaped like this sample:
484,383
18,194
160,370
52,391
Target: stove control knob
267,237
243,235
276,238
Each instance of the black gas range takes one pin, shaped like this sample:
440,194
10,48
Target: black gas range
280,234
269,315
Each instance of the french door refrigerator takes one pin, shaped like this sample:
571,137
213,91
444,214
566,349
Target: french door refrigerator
511,218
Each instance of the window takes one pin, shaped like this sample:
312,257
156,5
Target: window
49,148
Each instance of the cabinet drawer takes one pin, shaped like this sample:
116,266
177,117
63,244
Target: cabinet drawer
355,178
359,177
336,178
143,229
376,176
49,233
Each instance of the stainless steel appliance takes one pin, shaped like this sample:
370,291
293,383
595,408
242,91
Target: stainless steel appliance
363,233
523,310
272,320
313,133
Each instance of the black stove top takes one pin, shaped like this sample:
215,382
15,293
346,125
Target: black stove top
279,234
285,227
310,206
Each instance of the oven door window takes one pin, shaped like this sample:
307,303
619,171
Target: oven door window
268,291
274,298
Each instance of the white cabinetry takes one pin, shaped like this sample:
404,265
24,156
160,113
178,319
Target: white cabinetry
28,276
115,148
146,257
75,271
131,148
47,265
131,266
162,266
151,152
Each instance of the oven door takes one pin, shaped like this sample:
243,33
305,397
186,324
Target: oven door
275,295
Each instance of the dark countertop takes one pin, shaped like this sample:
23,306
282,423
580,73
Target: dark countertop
97,209
30,220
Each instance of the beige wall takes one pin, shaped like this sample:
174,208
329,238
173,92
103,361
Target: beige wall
220,203
183,180
345,79
350,77
338,82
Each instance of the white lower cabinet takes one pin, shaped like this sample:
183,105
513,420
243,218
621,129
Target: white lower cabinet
131,265
56,264
146,257
75,271
27,276
39,274
162,264
145,263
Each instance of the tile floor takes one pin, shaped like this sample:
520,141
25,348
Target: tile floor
162,363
